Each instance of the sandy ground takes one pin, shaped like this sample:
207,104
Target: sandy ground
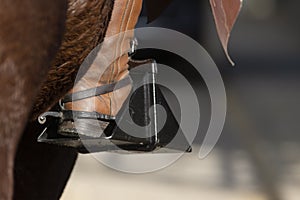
188,178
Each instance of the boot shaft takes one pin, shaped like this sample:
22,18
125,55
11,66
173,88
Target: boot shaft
111,63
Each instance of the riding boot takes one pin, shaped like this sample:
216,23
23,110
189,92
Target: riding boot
98,96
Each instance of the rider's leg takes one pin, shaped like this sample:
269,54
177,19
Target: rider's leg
115,47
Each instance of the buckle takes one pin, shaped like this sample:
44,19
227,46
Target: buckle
133,47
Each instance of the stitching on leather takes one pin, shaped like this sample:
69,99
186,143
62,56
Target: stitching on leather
129,2
117,63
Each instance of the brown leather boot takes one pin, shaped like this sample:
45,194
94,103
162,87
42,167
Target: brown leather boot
103,89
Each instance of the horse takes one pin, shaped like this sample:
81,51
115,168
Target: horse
42,44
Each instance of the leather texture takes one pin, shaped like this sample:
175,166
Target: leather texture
111,62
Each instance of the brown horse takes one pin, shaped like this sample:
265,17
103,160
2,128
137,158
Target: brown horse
27,47
32,34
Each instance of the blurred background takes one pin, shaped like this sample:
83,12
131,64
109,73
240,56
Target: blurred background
256,157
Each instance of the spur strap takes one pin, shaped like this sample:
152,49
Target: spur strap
104,89
71,114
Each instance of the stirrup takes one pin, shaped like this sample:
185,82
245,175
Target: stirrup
114,138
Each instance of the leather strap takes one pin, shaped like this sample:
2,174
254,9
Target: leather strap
104,89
